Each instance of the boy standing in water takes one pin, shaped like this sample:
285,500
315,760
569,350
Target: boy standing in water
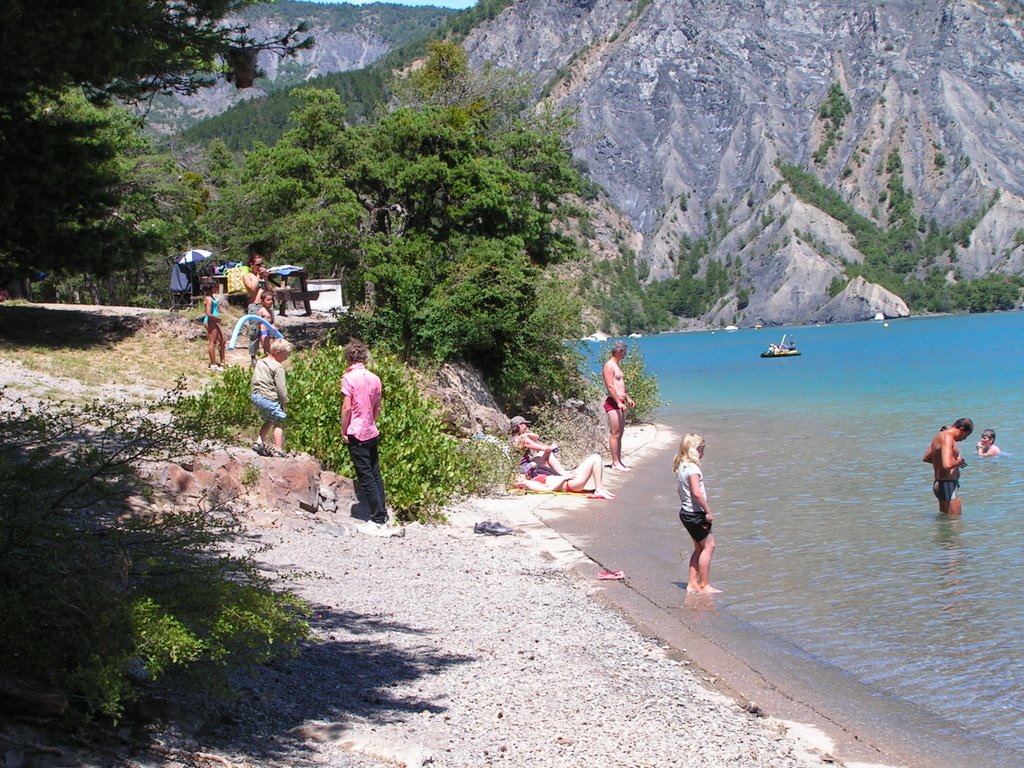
987,445
946,460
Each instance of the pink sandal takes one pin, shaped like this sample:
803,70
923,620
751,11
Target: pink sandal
611,575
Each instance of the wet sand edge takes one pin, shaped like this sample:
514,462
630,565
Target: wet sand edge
818,723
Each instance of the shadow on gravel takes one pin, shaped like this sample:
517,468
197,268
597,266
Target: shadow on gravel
346,678
64,328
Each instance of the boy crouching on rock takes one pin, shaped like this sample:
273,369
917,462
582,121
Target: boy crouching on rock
270,396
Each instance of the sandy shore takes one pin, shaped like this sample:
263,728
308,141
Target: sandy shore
450,648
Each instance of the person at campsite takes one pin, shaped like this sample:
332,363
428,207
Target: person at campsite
536,457
360,409
945,458
270,396
590,469
987,444
695,512
616,402
215,344
255,282
266,311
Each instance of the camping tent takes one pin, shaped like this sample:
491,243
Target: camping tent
185,277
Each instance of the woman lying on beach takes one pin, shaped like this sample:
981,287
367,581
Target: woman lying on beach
590,468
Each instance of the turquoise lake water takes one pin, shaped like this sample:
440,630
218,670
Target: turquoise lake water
828,535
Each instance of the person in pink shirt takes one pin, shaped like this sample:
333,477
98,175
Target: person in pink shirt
360,410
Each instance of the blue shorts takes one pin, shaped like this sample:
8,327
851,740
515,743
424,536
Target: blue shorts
270,410
945,490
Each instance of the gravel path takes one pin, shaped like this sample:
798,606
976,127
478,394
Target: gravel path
450,648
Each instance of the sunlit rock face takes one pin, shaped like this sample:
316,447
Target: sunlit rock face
687,108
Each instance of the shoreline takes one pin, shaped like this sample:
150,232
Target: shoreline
449,648
720,671
817,705
813,733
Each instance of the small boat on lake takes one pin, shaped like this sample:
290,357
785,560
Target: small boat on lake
782,349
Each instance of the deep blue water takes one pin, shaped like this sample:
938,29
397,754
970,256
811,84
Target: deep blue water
828,535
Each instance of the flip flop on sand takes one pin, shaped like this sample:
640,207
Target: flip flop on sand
611,575
599,496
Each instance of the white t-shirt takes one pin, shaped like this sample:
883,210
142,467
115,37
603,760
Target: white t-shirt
688,506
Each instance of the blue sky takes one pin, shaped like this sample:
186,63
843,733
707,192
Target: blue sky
439,3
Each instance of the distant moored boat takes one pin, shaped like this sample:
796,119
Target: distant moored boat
782,349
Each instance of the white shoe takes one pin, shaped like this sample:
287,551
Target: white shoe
371,528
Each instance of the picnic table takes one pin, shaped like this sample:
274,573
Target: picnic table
292,288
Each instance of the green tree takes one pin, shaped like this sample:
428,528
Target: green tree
441,216
461,198
294,195
59,192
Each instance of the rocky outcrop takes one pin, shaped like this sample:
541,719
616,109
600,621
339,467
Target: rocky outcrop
266,490
859,300
467,404
686,108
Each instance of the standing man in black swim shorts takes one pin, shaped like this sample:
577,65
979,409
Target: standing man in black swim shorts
945,458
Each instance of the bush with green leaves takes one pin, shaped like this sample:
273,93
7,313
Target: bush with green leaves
441,215
93,584
423,467
642,387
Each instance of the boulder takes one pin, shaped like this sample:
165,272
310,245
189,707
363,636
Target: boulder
861,300
469,407
266,489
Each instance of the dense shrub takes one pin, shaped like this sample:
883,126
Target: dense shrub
423,467
92,589
579,433
641,386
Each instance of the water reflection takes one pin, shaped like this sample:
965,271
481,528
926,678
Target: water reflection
947,537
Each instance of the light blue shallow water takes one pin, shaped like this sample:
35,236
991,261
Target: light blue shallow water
828,535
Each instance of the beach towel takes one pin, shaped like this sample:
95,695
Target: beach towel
235,284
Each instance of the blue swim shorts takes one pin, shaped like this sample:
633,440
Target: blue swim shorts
270,410
945,490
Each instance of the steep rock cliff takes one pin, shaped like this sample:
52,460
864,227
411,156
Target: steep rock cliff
687,106
346,38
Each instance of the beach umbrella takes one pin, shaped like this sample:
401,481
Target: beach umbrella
194,256
183,273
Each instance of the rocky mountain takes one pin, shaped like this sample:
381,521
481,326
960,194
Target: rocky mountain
690,110
347,37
